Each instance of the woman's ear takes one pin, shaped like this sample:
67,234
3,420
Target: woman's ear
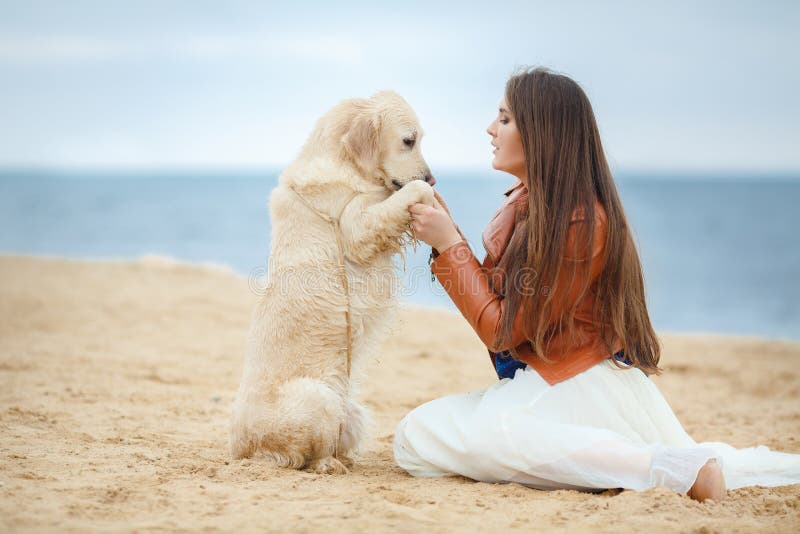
361,141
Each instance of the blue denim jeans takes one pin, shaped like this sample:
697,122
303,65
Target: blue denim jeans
506,366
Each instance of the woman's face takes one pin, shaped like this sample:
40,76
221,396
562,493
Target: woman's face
508,154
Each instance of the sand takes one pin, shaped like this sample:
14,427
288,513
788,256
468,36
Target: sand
116,380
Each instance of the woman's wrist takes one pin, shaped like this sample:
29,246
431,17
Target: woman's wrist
453,239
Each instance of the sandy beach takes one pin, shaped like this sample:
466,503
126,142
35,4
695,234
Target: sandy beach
116,379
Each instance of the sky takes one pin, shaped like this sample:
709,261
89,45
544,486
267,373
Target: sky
676,86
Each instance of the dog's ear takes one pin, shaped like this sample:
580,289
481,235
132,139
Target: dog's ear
361,141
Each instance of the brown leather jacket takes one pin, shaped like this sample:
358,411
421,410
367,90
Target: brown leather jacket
467,283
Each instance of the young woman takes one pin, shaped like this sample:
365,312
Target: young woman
559,302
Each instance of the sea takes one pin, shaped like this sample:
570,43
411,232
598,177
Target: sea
720,252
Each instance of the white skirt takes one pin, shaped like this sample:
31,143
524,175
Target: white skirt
604,428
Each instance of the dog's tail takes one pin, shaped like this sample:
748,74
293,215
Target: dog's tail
302,423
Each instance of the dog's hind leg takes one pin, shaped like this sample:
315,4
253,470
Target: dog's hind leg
352,432
310,414
295,429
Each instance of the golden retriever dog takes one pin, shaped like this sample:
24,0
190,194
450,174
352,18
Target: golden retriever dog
296,403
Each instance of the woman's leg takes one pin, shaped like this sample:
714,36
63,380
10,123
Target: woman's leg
500,435
426,440
437,439
710,483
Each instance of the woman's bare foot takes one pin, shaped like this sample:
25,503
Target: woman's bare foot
710,484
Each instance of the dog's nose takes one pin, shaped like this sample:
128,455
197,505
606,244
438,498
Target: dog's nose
429,178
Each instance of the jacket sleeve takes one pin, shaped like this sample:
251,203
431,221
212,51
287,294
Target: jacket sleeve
467,284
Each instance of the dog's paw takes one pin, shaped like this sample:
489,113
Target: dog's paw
328,466
420,192
346,461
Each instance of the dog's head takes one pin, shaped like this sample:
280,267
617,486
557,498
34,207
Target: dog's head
382,137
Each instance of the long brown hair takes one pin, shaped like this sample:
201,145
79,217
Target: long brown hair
567,170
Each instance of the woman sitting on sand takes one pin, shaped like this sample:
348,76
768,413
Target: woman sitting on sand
559,302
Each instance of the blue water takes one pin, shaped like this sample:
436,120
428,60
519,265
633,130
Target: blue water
719,254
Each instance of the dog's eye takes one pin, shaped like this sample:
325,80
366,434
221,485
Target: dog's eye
409,142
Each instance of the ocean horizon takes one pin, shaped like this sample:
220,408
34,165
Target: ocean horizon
720,250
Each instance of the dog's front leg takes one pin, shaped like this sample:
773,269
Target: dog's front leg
378,227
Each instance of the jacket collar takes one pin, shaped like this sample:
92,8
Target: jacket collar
517,184
498,232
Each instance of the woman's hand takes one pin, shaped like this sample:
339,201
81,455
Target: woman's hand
433,225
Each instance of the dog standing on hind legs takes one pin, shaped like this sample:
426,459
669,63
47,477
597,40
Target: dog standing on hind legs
339,216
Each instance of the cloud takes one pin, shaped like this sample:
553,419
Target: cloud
271,47
679,84
29,49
